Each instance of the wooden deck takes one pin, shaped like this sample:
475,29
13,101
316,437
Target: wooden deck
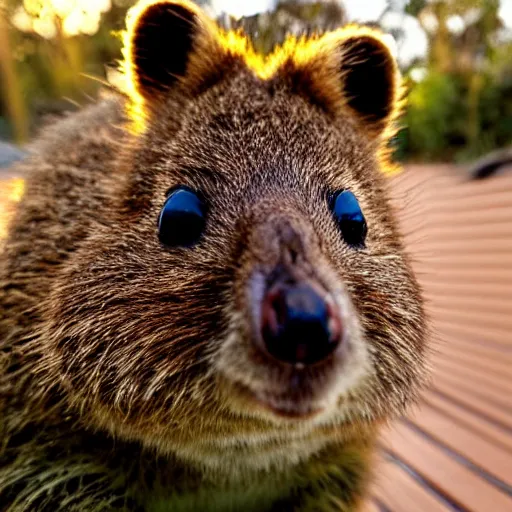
454,452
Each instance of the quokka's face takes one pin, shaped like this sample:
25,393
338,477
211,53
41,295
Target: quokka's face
248,287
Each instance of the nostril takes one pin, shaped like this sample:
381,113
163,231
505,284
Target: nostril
293,255
298,324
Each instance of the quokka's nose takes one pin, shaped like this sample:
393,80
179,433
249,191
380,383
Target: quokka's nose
299,324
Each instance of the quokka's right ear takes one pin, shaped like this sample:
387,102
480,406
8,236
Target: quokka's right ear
350,71
167,43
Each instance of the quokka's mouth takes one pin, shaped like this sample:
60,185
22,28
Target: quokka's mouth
289,408
299,407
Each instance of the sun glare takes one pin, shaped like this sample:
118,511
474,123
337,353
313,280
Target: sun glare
44,17
10,193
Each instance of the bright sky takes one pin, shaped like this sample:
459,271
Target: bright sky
415,41
506,12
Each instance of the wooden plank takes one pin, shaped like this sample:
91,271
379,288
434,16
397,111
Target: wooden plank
493,370
450,387
425,241
369,506
473,447
477,305
481,348
499,199
477,277
475,357
467,215
480,390
471,420
465,487
400,492
445,330
451,273
456,191
495,337
494,382
469,289
468,320
455,241
474,261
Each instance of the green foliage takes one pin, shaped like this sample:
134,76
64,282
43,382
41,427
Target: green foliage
431,115
440,123
414,7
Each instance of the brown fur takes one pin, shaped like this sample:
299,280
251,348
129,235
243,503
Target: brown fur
128,379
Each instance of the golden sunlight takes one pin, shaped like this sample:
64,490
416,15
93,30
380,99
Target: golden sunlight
10,193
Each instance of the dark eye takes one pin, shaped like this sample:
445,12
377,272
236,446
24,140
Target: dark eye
182,220
350,218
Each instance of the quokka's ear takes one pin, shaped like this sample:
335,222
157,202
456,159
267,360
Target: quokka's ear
350,70
370,79
166,43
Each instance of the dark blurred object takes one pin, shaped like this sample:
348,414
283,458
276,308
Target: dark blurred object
10,154
491,164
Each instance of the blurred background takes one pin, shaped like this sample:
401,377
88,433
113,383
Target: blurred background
454,452
456,55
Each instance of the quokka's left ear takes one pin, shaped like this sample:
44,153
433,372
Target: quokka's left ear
351,70
168,43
